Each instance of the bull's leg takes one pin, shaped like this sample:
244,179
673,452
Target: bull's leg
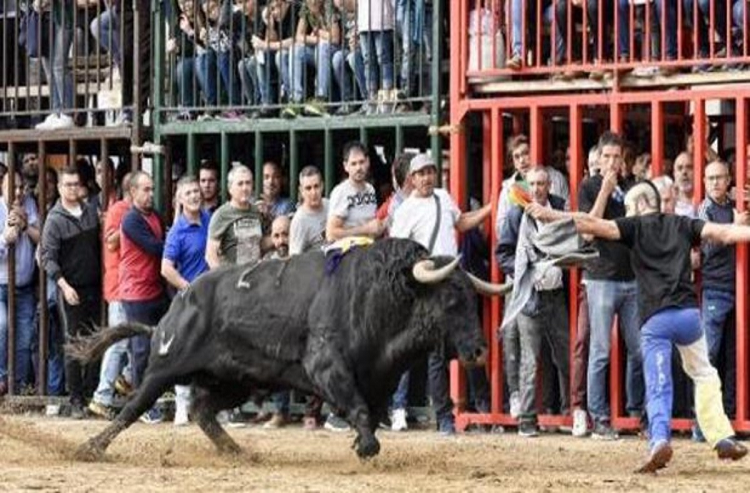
143,398
339,389
209,401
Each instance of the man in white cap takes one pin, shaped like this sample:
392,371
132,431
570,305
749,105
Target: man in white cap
430,217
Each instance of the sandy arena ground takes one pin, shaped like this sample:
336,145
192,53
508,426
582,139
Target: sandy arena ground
35,455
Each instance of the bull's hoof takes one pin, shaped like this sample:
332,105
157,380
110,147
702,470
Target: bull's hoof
366,447
230,448
89,452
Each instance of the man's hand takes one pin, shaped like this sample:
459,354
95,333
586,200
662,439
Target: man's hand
171,45
609,182
10,234
742,217
70,294
540,212
375,228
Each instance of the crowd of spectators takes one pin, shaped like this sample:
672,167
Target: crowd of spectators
229,59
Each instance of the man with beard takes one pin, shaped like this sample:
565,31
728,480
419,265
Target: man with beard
208,179
353,203
272,204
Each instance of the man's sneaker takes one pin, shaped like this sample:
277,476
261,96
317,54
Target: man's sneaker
345,109
152,416
181,416
527,429
315,107
290,111
123,387
660,455
336,424
446,427
236,419
602,431
696,434
76,410
278,420
231,116
515,404
48,122
730,449
514,63
102,411
124,119
398,420
580,423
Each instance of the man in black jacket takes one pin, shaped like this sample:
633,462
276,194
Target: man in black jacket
71,256
545,315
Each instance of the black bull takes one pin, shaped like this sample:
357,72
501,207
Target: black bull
345,337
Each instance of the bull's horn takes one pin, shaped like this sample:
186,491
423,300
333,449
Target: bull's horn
425,272
489,288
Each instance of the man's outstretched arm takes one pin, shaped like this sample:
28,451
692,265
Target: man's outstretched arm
585,223
726,234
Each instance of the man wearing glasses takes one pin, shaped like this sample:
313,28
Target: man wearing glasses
71,256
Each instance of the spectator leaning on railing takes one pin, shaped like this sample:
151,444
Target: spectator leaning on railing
19,227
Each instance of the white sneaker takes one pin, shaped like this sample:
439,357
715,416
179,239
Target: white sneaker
398,420
48,122
63,121
181,416
580,423
515,405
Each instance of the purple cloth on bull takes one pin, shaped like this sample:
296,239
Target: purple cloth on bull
541,246
336,251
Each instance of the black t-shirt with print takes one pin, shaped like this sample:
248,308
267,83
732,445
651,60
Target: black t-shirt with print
660,255
613,263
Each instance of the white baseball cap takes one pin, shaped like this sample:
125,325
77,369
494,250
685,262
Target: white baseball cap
421,161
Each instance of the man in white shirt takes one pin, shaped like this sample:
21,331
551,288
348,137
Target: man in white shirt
353,204
417,219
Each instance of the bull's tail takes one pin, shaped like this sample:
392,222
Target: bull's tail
91,348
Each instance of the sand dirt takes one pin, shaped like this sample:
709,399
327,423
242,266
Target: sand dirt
36,454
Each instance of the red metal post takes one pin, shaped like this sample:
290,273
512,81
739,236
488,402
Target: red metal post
657,138
497,153
743,140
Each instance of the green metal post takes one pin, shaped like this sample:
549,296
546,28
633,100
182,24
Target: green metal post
363,135
158,101
329,170
399,140
224,166
437,86
293,165
259,162
192,166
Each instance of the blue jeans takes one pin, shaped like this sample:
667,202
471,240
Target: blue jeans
146,312
58,72
738,16
115,359
25,308
106,31
56,338
607,299
185,75
320,57
206,66
248,71
438,383
377,46
517,26
263,60
356,66
680,326
280,402
205,71
718,320
401,395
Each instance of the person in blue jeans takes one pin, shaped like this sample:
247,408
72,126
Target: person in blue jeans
349,56
56,339
725,45
317,38
19,227
375,24
610,290
660,246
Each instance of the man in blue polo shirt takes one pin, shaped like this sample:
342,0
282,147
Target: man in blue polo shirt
184,259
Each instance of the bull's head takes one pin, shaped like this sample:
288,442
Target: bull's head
456,303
